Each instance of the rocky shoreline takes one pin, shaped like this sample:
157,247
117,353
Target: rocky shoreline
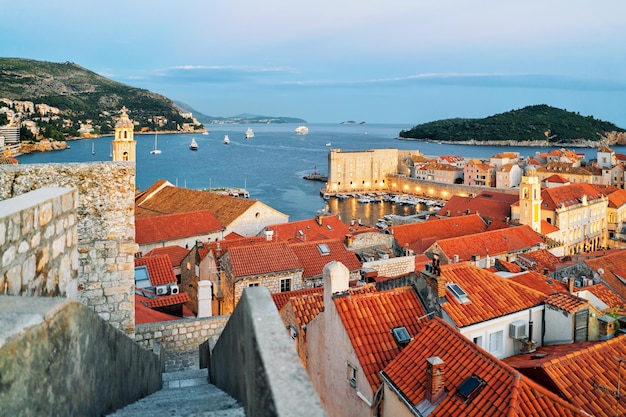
43,146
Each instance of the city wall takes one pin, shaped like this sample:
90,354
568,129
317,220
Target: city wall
104,228
180,335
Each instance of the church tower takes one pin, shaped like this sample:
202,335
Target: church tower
530,201
124,143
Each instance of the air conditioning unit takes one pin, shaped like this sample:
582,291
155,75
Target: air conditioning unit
518,329
173,289
161,290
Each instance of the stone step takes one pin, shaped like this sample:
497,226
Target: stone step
184,393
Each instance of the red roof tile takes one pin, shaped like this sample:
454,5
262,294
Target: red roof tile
314,261
145,314
264,258
368,320
506,393
490,205
568,195
539,260
419,236
492,243
175,226
167,300
160,269
174,252
321,228
584,374
617,198
539,282
489,295
608,297
612,270
282,298
567,302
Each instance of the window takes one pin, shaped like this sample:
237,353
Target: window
285,285
323,248
253,284
142,278
351,374
401,336
496,343
478,341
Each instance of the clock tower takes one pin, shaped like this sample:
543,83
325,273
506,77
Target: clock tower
530,201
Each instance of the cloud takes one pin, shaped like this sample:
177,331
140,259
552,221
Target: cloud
217,74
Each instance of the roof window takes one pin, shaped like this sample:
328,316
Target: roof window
458,292
142,277
401,336
323,248
470,388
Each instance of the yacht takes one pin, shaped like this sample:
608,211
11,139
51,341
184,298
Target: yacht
302,130
193,145
155,150
226,140
249,133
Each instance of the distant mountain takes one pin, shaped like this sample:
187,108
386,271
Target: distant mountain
240,118
82,95
534,124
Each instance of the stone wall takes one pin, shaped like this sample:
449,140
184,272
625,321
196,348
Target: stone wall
392,267
38,240
180,335
105,229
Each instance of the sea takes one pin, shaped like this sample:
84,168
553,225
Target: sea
272,164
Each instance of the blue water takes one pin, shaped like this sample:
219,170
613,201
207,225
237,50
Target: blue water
270,165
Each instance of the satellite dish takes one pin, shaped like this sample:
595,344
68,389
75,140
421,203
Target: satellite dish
600,271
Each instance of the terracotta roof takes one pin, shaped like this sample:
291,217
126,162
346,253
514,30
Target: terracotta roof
225,244
501,265
174,252
437,166
617,198
507,167
170,199
489,295
568,195
564,167
419,236
547,228
175,226
282,298
368,320
489,205
506,393
539,260
145,314
567,302
160,269
167,300
9,160
557,179
329,227
604,293
314,260
584,374
492,243
510,155
253,260
613,268
539,282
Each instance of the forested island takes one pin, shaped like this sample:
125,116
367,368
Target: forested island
538,125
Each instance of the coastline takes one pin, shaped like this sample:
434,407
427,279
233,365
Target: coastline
613,139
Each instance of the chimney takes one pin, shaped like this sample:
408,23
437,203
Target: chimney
204,298
269,234
318,219
435,379
348,241
570,284
336,278
218,250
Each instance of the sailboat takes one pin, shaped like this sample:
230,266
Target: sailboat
156,149
93,148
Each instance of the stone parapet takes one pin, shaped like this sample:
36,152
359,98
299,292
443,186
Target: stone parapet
180,335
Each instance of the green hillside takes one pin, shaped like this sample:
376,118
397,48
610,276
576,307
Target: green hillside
81,94
532,123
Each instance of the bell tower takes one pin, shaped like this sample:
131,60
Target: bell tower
530,201
124,143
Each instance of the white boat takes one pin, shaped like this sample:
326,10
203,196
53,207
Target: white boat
302,130
226,140
93,148
249,133
155,150
205,133
193,145
328,144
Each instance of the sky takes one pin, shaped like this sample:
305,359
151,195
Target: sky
328,61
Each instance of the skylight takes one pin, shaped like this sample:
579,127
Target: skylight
142,278
323,248
470,388
458,292
401,335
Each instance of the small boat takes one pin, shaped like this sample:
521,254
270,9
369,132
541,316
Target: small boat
302,130
155,150
226,140
193,145
249,133
93,148
205,133
328,144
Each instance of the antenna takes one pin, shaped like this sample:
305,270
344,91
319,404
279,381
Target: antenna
615,393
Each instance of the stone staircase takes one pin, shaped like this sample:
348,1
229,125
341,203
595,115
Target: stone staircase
185,392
